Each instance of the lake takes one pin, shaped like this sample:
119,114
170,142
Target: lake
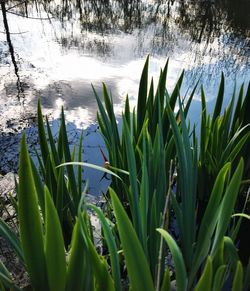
62,47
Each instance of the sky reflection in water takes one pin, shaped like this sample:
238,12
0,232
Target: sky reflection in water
107,41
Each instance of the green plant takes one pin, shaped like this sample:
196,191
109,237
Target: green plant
145,149
151,116
154,143
223,137
41,245
66,194
150,139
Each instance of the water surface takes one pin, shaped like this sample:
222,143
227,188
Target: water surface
62,47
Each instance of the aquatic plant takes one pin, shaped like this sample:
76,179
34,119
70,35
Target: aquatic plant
39,244
155,167
150,140
224,137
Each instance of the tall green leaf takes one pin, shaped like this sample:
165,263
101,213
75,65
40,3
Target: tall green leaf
79,269
111,246
142,97
30,223
136,262
219,278
227,206
219,99
70,169
41,134
205,281
238,278
54,246
134,196
208,223
180,270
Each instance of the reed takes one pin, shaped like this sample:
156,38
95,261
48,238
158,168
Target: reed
155,151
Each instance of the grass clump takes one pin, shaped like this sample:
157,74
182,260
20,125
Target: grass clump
160,171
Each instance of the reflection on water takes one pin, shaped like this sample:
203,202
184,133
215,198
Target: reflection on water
62,46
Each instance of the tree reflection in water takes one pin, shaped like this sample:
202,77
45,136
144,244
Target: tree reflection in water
200,19
126,30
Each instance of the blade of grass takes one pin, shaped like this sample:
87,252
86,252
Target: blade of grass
54,246
30,223
102,278
142,97
52,143
39,186
136,262
134,196
41,134
79,267
111,246
92,166
242,215
227,206
205,281
11,238
166,284
80,168
238,278
180,270
209,221
219,278
70,169
219,99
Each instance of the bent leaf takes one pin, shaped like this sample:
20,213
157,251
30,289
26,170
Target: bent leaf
180,270
136,262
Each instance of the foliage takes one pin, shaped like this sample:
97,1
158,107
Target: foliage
145,149
223,137
154,152
150,118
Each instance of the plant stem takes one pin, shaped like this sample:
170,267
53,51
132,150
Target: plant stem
162,226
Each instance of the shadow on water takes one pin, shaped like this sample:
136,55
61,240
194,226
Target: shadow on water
73,94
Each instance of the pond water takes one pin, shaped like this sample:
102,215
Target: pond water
62,47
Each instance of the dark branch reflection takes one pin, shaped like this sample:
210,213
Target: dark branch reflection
218,28
201,19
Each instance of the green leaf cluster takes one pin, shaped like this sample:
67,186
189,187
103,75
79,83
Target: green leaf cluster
160,171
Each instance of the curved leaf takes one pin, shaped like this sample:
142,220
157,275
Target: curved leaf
180,270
